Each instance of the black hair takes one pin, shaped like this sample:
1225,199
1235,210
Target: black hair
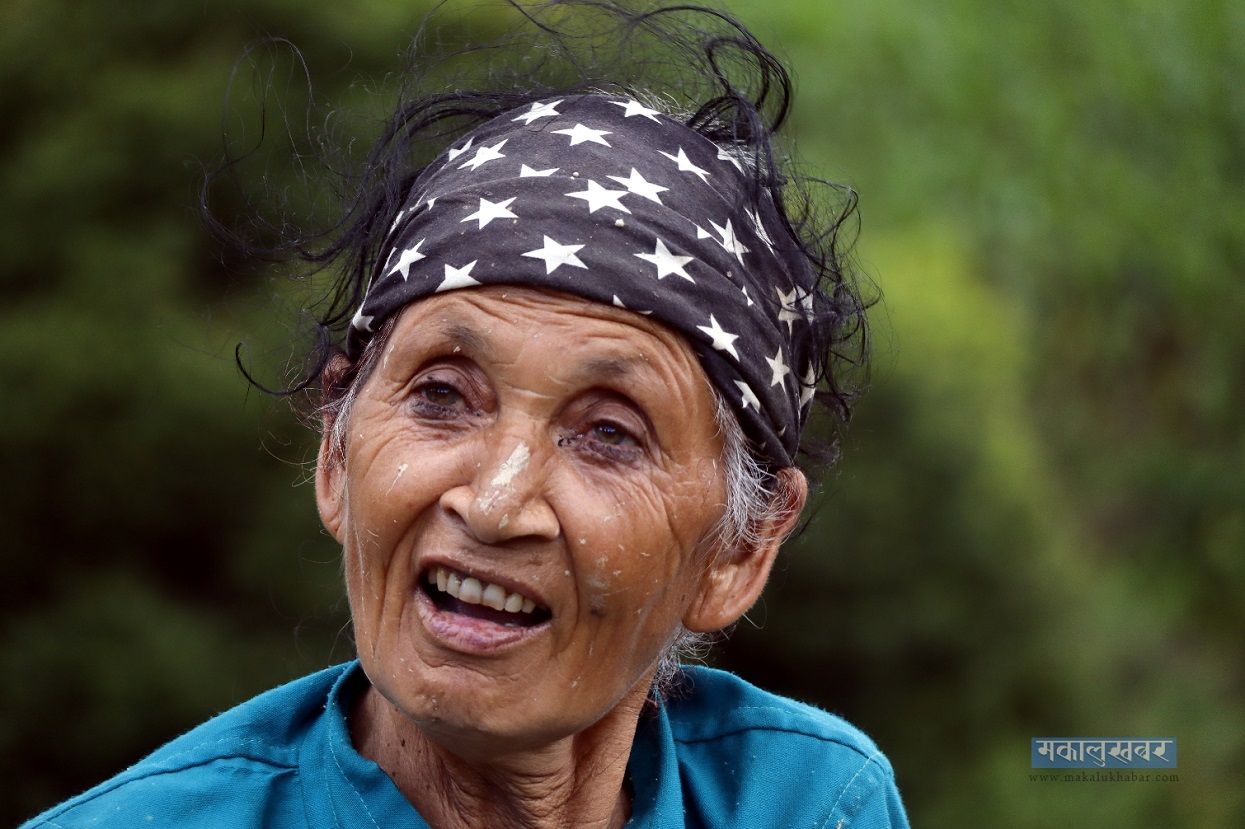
695,62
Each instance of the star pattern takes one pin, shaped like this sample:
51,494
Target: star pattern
635,183
759,227
780,368
667,263
728,156
808,387
598,197
686,165
662,195
618,303
484,155
540,109
748,396
636,108
490,210
458,277
455,153
557,255
729,241
579,134
720,339
408,257
787,313
397,220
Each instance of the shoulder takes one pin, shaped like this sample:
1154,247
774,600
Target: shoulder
241,763
710,704
794,764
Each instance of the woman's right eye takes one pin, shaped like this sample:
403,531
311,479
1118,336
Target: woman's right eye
440,394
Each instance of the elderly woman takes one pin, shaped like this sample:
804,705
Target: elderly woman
559,440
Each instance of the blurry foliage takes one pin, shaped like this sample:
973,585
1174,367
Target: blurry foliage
1039,523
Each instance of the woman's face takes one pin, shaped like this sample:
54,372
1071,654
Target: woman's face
526,506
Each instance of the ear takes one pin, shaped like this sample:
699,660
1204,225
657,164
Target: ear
330,465
734,581
329,483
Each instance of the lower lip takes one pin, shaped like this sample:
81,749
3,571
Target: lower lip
467,635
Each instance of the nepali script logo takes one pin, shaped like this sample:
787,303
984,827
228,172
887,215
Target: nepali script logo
1103,753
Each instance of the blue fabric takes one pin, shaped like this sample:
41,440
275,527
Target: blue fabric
720,753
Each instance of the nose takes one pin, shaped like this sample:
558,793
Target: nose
506,499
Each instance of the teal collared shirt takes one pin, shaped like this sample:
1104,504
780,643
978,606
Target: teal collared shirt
718,753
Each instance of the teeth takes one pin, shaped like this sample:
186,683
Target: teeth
470,590
494,597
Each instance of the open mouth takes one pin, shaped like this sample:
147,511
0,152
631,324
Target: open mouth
456,592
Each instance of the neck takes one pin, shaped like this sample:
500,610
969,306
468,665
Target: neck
578,781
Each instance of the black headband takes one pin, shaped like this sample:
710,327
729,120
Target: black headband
606,199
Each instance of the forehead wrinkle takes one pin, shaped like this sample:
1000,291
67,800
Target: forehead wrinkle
461,332
609,368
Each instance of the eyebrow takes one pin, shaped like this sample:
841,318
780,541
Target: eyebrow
594,370
461,333
611,367
604,369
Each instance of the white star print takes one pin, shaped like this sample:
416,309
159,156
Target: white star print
635,183
808,388
484,155
538,110
409,257
492,210
397,220
598,197
579,134
618,303
701,233
666,262
637,108
527,172
686,165
455,153
787,313
361,322
729,240
745,290
748,398
457,277
721,339
556,255
760,228
724,155
780,368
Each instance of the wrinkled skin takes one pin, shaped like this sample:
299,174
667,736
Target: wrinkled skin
561,449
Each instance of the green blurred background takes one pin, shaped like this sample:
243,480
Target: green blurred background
1039,525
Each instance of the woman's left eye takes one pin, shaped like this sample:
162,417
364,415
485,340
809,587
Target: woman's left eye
611,434
442,395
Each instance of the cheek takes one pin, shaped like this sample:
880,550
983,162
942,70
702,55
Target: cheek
639,557
386,494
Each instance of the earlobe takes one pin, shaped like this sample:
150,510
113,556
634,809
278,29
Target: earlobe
735,581
330,462
329,493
